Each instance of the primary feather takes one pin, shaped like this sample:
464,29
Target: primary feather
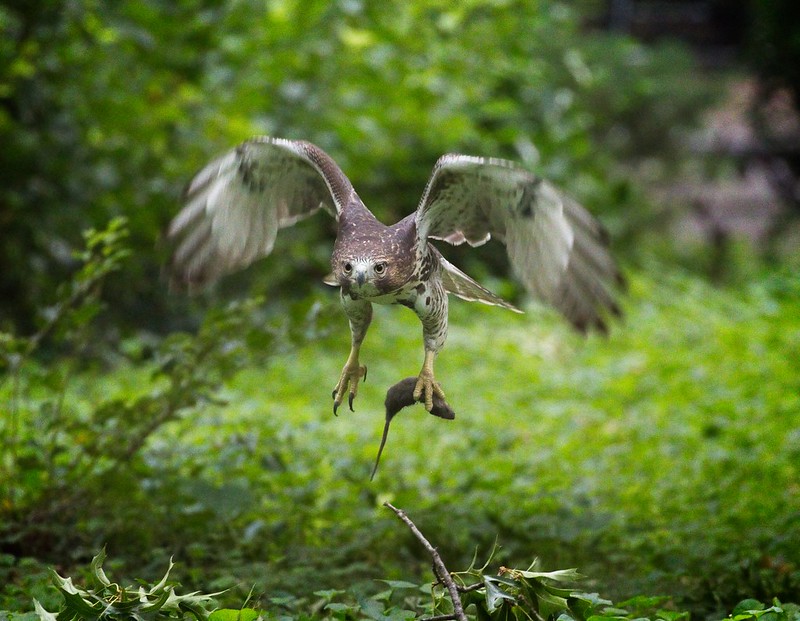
554,245
235,205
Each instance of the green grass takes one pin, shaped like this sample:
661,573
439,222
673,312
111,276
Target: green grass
662,460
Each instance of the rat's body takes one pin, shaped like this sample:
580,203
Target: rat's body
400,396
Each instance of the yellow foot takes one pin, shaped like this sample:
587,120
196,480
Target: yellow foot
351,374
426,387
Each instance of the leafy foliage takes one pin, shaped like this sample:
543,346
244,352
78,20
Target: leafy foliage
77,301
508,594
662,460
596,454
109,108
66,440
108,601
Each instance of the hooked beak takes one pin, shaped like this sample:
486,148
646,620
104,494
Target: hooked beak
361,276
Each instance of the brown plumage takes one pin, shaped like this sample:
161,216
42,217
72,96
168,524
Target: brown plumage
235,206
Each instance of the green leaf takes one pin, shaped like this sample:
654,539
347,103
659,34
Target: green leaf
559,575
328,594
481,612
747,606
163,582
339,607
594,599
549,604
510,582
672,615
615,611
372,609
96,567
157,604
43,614
198,611
494,594
399,614
564,593
773,613
583,605
505,613
234,614
74,603
642,602
400,584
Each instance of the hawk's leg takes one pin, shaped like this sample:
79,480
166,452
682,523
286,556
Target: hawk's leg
427,386
431,308
359,313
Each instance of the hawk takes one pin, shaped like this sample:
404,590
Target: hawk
234,207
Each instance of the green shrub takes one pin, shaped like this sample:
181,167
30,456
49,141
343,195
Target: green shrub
108,601
111,107
660,460
71,438
473,594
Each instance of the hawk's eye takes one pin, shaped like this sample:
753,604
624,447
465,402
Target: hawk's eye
348,267
380,268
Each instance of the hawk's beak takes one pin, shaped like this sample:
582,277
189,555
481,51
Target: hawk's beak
359,274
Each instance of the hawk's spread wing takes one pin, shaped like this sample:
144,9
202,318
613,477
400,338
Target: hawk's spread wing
234,206
555,246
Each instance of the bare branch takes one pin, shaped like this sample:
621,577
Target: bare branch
440,570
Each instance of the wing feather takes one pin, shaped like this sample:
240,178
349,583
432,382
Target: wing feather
556,248
234,206
459,284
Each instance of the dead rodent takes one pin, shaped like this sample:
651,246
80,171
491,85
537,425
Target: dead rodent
399,396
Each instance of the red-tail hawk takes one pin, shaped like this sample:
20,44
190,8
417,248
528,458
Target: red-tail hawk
235,206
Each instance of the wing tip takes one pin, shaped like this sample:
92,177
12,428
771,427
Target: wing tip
600,321
181,280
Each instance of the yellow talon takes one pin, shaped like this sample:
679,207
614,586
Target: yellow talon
352,373
426,385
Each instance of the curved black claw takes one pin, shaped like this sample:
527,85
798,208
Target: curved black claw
348,382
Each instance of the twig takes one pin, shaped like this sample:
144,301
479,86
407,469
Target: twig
470,587
441,618
461,589
440,570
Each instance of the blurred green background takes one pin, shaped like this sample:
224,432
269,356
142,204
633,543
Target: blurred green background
662,460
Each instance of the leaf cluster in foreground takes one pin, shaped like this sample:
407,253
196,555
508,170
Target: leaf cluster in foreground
505,595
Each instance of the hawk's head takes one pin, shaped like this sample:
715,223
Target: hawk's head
370,259
364,276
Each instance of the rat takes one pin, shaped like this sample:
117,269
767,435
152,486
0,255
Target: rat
401,395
